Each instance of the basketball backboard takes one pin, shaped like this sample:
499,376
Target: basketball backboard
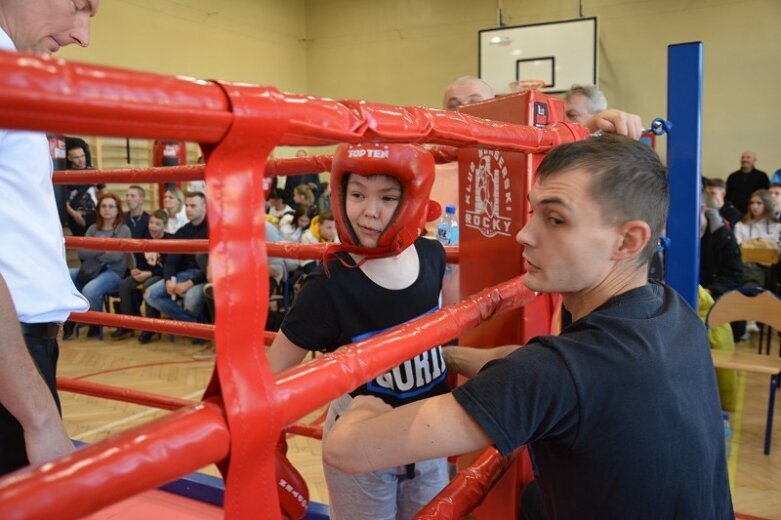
560,53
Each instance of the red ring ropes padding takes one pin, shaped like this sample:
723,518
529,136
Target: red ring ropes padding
181,328
131,175
306,430
141,458
193,330
71,97
467,490
121,394
274,167
51,94
239,266
130,245
278,249
313,430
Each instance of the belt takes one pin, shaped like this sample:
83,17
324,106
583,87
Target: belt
48,330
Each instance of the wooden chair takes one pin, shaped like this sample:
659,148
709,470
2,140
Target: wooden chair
763,308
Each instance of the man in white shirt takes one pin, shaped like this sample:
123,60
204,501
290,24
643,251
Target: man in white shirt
36,292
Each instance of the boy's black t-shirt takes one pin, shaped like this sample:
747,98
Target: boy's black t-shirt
621,412
348,307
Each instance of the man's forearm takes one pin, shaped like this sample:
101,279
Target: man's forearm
368,440
468,361
22,389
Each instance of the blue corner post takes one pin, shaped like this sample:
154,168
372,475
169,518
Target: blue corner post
684,163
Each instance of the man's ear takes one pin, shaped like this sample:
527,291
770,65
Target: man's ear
633,237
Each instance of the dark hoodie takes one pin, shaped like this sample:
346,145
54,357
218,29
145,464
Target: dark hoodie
721,268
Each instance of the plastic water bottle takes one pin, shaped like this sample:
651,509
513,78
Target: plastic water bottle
727,431
173,296
447,230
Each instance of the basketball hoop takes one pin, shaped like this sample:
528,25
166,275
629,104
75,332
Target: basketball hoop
526,84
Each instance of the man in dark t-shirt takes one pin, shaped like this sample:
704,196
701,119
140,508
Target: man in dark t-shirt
621,410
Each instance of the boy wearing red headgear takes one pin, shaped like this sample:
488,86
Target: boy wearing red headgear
385,274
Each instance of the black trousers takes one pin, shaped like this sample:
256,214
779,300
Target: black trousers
130,297
532,506
13,455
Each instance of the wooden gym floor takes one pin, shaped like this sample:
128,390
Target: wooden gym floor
168,368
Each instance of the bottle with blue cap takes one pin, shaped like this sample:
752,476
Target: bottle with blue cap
447,230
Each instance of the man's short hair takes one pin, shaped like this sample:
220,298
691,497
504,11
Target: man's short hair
715,183
597,102
191,194
629,183
140,190
71,143
775,185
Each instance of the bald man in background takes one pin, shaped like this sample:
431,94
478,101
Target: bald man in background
466,90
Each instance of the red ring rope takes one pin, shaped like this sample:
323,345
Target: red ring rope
467,490
121,394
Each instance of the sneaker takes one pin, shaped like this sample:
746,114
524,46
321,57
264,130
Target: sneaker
207,353
119,333
751,326
145,337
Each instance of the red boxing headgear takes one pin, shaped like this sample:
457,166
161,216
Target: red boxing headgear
411,165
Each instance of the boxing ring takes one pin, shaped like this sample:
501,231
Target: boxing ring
244,410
